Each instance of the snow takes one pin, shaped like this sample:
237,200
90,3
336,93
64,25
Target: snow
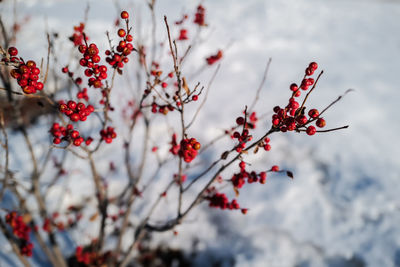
343,206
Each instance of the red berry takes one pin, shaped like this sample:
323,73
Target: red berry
294,87
311,130
240,120
77,142
30,64
309,71
321,123
75,134
302,119
88,141
13,51
197,146
195,97
242,165
129,38
121,32
71,104
124,15
74,117
275,168
313,113
313,65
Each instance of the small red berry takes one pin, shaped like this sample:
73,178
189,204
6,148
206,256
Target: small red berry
13,51
275,168
75,117
302,119
240,120
242,165
197,146
75,134
71,104
129,38
313,65
313,113
77,142
309,71
124,15
321,123
311,130
121,32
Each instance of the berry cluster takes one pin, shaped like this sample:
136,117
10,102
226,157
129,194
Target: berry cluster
155,70
214,58
108,134
221,201
85,257
163,109
75,111
27,74
292,117
244,136
20,231
95,72
199,16
118,58
89,257
83,94
239,179
68,134
265,144
188,149
78,37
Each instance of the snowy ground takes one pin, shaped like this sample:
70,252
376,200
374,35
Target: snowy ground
343,207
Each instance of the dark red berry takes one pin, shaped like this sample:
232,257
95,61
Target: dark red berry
311,130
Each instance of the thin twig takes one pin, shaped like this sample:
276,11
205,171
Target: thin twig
205,97
264,78
309,92
337,100
6,171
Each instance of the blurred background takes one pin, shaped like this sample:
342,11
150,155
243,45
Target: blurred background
343,207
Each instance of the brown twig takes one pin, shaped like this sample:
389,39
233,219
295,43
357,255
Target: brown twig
6,171
309,92
264,78
204,99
